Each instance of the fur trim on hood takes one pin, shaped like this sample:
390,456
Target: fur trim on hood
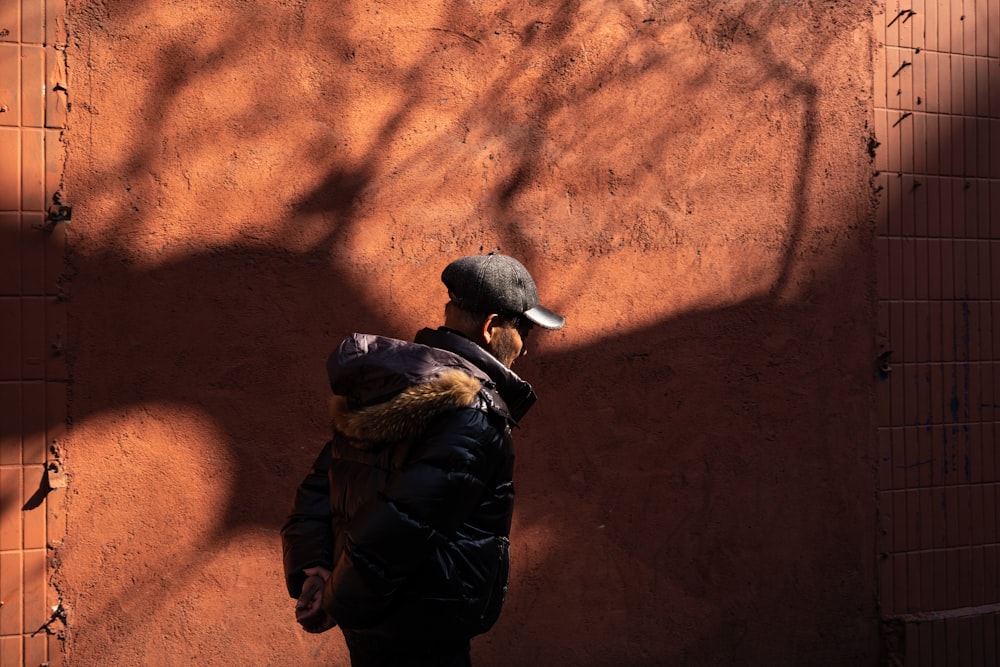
409,412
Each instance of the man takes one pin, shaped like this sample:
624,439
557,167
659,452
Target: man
399,534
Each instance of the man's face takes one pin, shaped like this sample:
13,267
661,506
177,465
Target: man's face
508,343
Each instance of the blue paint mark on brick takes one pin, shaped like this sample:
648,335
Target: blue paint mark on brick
944,451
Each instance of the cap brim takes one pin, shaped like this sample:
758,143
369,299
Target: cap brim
545,318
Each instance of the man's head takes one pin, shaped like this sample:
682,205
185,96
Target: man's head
494,301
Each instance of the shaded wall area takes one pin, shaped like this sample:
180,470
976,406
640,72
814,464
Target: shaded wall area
690,185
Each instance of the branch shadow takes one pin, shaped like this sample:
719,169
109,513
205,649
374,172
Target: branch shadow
664,453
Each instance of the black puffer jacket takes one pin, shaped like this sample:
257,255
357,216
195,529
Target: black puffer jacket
410,504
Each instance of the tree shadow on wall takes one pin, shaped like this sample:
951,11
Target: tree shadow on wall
677,470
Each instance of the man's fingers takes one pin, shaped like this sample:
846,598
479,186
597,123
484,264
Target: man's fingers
312,586
311,619
303,615
309,609
312,592
317,623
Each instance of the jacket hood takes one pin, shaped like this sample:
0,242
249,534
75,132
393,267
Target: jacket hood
368,369
408,413
387,389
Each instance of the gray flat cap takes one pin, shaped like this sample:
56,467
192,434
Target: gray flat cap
499,284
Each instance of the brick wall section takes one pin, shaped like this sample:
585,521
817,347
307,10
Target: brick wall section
938,121
32,323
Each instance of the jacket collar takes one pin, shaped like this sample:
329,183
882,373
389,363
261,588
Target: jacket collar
515,392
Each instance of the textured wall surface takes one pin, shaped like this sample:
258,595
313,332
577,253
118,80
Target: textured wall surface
689,182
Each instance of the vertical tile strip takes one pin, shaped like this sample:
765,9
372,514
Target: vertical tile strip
10,650
11,615
912,645
55,21
32,518
32,423
34,588
10,424
10,84
989,640
10,21
32,22
56,85
32,253
32,170
10,256
10,172
33,110
10,339
32,86
10,516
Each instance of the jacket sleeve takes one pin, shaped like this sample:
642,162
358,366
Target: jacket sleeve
423,504
307,536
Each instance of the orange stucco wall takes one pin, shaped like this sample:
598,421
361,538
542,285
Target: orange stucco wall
690,184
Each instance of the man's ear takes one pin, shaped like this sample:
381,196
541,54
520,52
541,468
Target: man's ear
489,326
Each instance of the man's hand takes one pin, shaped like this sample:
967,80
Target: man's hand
309,607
